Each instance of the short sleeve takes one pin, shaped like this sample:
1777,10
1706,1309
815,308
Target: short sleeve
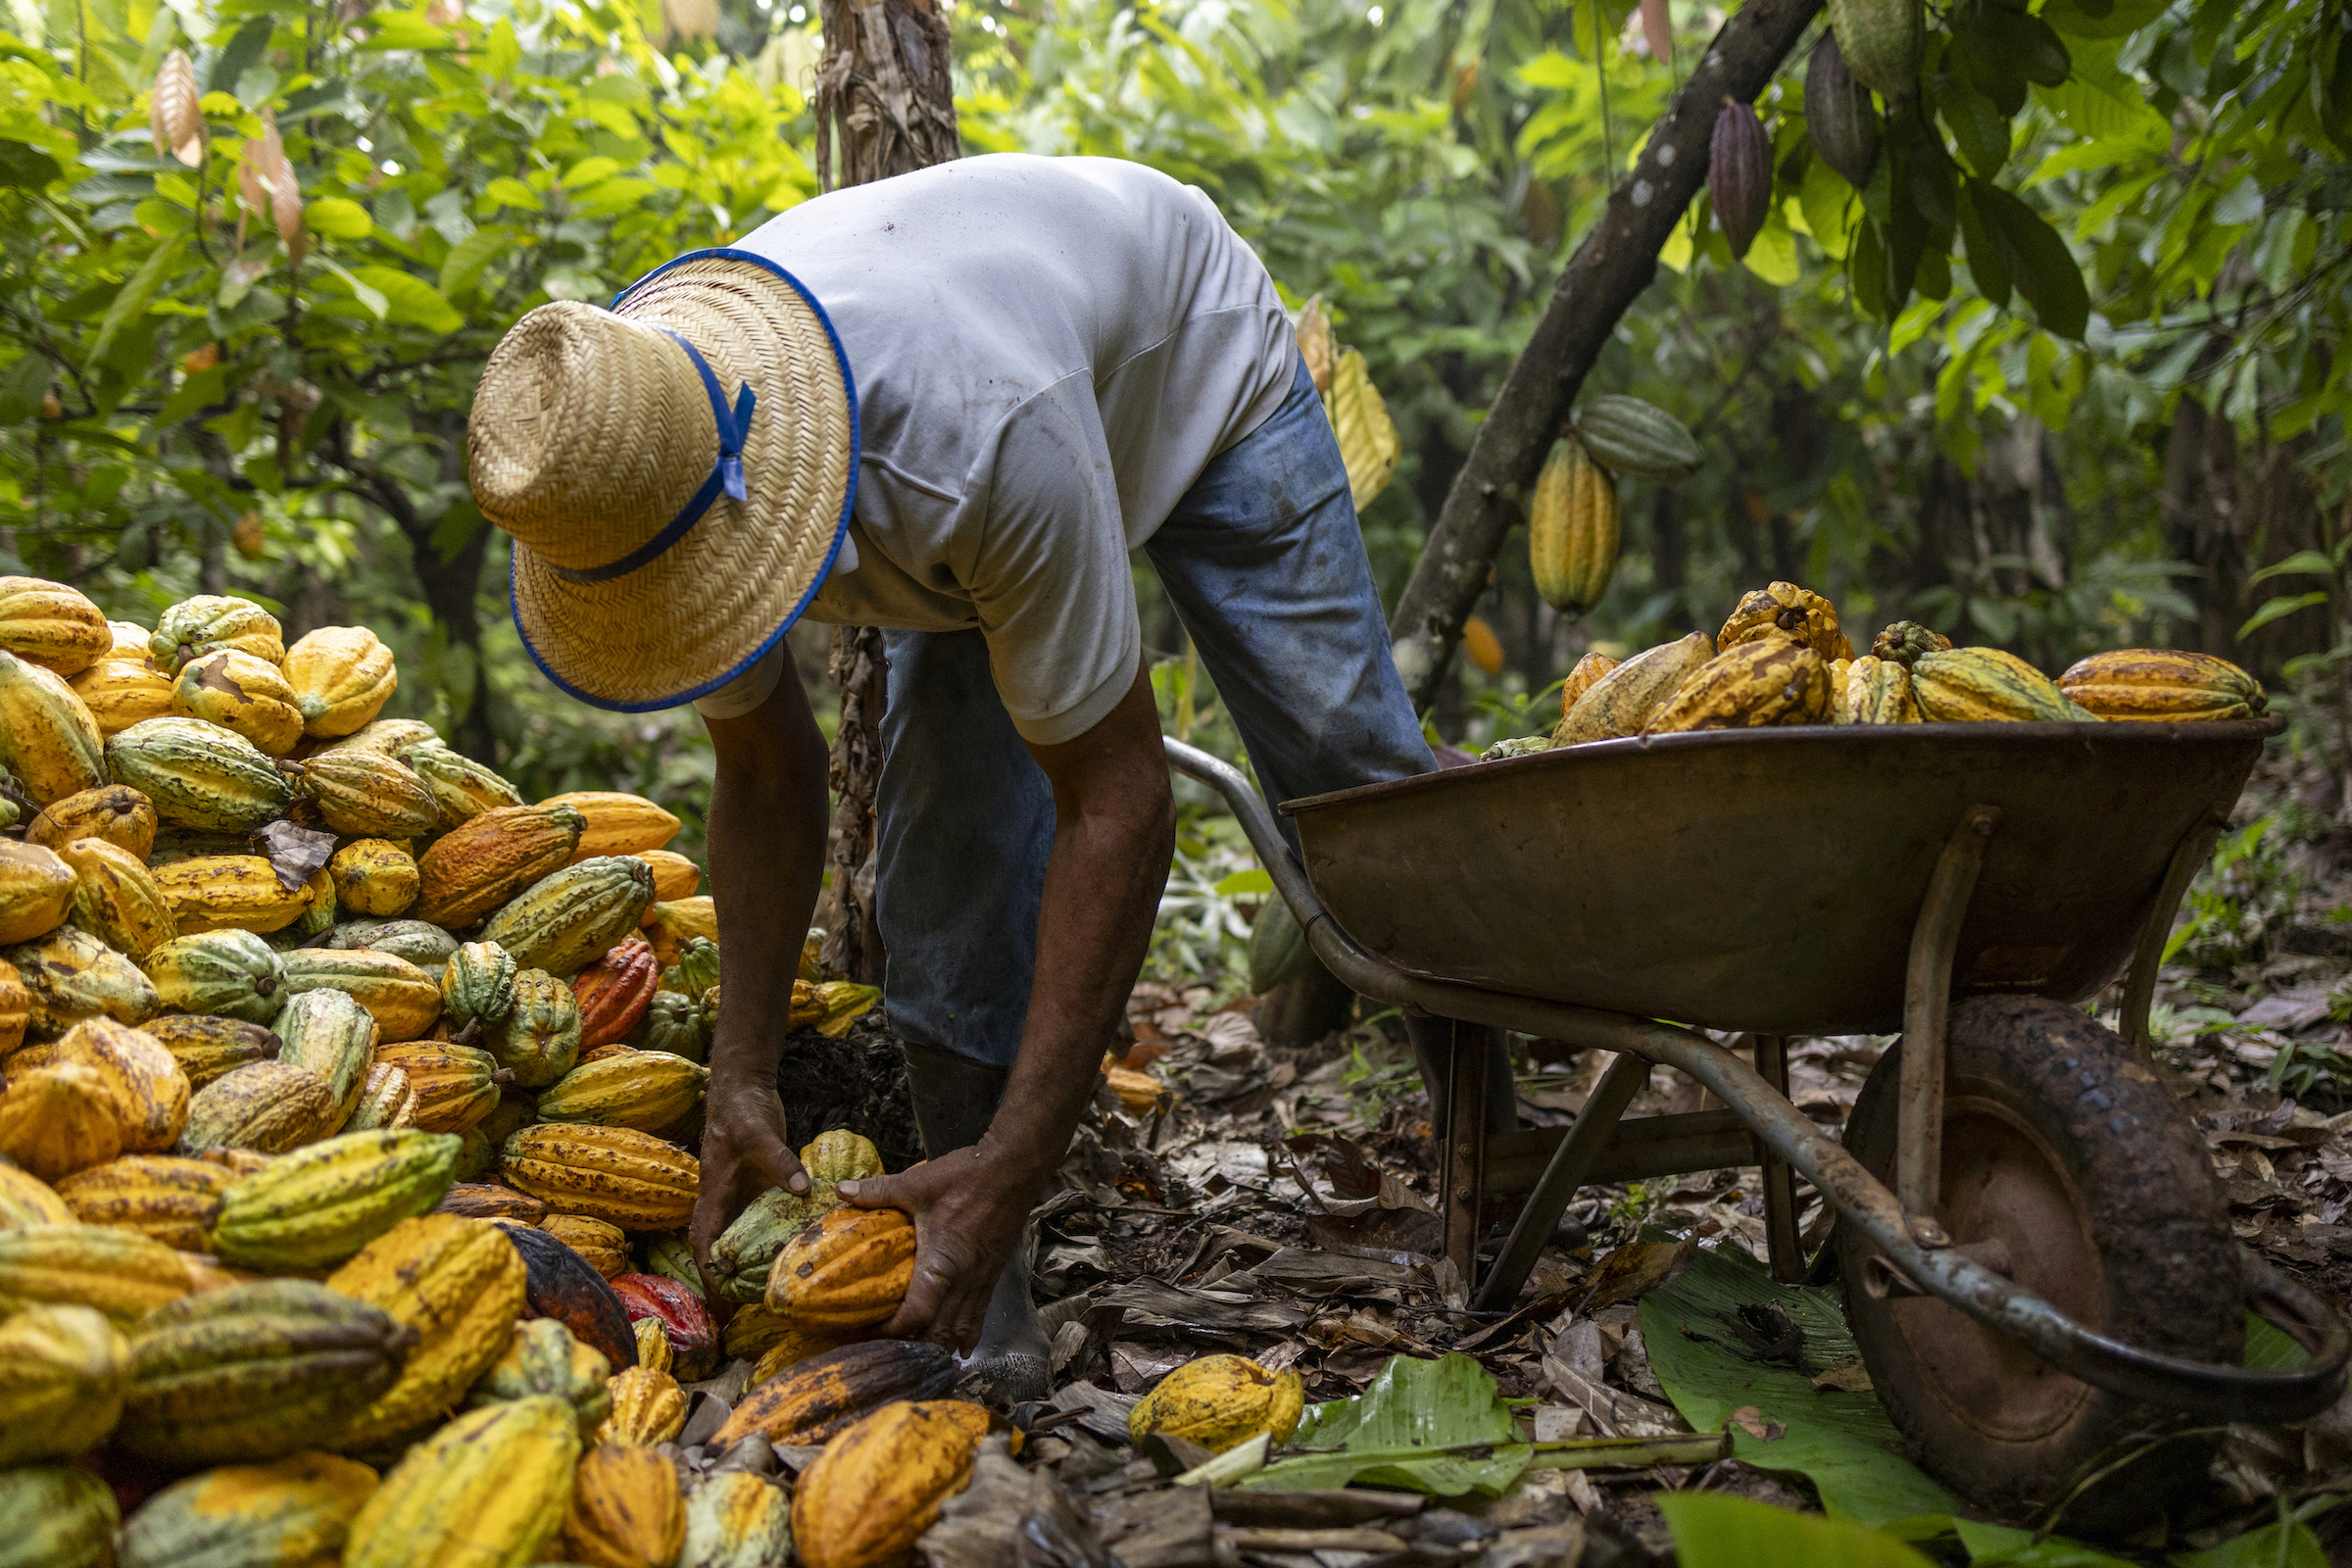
1048,574
748,690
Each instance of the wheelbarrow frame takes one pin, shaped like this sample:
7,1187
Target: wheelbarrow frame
1772,1132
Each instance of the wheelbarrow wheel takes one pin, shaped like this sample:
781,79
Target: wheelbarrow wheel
2068,1167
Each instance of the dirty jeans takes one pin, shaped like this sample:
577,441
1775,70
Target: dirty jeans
1266,563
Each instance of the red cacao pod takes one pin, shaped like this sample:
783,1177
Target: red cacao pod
685,1321
1840,115
615,991
1739,174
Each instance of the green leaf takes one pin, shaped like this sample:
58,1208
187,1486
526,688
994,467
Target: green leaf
131,301
2288,1544
461,268
1715,1530
22,387
24,166
505,53
1980,131
1382,1435
2080,20
2277,610
2269,1347
338,219
410,299
1255,880
1984,263
2241,203
2302,563
512,192
1843,1441
404,29
238,56
2039,263
588,171
199,391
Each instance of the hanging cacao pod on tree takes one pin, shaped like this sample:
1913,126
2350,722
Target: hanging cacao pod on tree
1573,529
1840,115
1739,174
1883,42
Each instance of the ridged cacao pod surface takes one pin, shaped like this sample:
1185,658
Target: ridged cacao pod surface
229,973
292,1513
26,1200
684,1319
1878,691
403,1000
2163,685
615,992
73,975
47,736
462,787
488,1200
239,692
1785,609
879,1486
120,1273
334,1037
1883,42
601,1247
565,921
120,693
1739,174
341,677
233,892
370,797
626,1511
649,1408
459,1283
56,1120
813,1401
1625,699
456,1086
151,1095
198,625
256,1371
543,1358
487,860
646,1089
653,1345
736,1519
1765,680
1573,529
63,1373
615,1174
487,1490
210,1048
269,1107
116,900
560,1284
616,823
37,891
170,1199
373,878
539,1038
1637,439
115,812
318,1205
51,625
1220,1401
58,1517
199,775
1977,685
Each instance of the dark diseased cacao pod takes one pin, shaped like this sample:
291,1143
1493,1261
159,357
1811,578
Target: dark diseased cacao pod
1840,115
560,1284
1739,174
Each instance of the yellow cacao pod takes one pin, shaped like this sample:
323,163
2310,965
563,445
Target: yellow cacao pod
605,1247
37,891
1764,680
64,1371
1583,677
675,875
51,625
2164,685
71,976
1977,685
366,796
172,1200
653,1344
115,898
616,823
847,1270
120,1273
615,1174
463,787
671,926
486,1490
1622,701
16,1009
880,1485
239,692
151,1095
1798,612
56,1120
26,1200
1573,529
197,626
403,999
341,677
459,1284
454,1087
648,1407
47,737
625,1509
1220,1401
229,892
386,737
268,1107
120,693
373,878
115,812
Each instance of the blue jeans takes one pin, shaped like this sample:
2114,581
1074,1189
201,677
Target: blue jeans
1266,563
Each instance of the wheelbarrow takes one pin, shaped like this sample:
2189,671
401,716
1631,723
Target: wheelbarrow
2037,1259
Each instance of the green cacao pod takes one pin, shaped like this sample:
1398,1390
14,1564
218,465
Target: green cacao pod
420,941
1638,440
1903,641
256,1371
545,1359
479,982
229,974
1573,529
292,1513
199,775
58,1517
1976,685
269,1107
736,1519
366,796
386,737
463,787
210,1048
329,1033
744,1251
317,1207
1884,42
1840,115
63,1373
197,626
563,921
673,1023
47,737
695,971
646,1089
539,1038
1278,949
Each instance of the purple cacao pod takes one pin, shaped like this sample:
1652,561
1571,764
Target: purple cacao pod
1739,174
1840,115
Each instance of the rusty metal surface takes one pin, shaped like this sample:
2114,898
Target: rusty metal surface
1768,879
2203,1388
1928,1004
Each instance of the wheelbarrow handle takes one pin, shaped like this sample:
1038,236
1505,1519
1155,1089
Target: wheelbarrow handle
1249,808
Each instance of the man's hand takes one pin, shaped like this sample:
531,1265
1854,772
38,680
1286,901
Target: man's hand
767,846
968,1212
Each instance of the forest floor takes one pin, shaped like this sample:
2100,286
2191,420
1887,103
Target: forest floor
1280,1204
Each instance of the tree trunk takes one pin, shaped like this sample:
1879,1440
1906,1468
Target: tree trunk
886,104
1612,265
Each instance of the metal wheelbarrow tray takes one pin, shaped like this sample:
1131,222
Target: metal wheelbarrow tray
1812,880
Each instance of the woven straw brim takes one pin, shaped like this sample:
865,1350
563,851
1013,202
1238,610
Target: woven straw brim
699,614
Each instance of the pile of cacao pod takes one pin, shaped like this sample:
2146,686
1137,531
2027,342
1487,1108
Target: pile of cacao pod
345,1101
1781,659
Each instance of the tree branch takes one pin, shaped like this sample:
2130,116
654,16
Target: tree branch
1614,263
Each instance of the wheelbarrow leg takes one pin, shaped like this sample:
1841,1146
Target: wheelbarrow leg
1781,1241
2140,988
1927,1001
1571,1162
1465,1153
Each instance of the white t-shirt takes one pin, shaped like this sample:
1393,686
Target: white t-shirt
1047,352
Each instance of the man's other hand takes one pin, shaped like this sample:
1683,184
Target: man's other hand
967,1219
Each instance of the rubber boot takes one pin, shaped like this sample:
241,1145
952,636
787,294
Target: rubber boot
955,1097
1432,1045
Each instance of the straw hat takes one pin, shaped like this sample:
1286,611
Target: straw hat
650,565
